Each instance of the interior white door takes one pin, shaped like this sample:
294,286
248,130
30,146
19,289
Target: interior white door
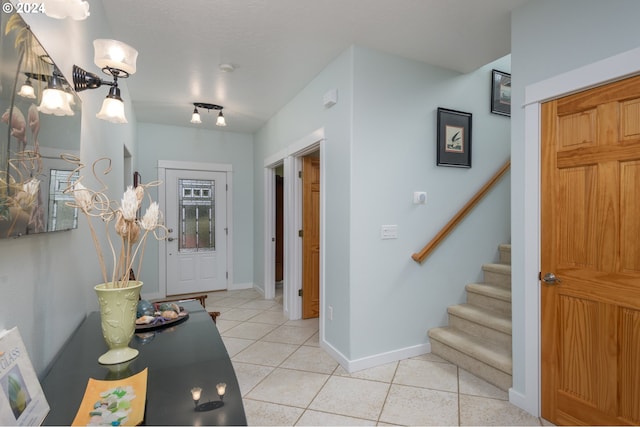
196,215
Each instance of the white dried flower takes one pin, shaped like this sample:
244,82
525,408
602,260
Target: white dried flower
82,197
150,219
129,204
26,197
31,187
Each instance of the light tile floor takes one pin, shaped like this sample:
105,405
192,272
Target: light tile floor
287,379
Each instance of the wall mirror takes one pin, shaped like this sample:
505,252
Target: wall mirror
40,120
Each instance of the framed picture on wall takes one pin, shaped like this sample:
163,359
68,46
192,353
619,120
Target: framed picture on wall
454,138
500,93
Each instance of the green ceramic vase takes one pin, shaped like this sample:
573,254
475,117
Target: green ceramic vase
118,319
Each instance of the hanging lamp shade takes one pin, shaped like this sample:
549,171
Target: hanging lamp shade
56,102
195,117
220,121
112,107
115,54
27,90
54,98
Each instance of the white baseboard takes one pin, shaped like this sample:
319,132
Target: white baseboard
375,360
388,357
151,297
259,290
520,400
333,352
239,286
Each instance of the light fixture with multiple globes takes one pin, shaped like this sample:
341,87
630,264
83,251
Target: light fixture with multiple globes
116,59
195,116
196,394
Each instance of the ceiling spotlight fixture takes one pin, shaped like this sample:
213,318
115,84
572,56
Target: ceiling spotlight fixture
195,117
116,59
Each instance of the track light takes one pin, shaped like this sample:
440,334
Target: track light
195,117
220,121
116,59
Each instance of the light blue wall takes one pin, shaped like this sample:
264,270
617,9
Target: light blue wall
393,155
46,281
159,142
300,117
548,38
380,148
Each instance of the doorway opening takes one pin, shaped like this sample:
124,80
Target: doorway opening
289,164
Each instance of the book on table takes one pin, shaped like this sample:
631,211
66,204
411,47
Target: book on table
22,401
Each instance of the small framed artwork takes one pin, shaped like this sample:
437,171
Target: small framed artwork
454,138
500,93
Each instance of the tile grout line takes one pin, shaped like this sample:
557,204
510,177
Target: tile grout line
393,377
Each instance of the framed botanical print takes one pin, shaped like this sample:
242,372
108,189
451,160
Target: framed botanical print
454,138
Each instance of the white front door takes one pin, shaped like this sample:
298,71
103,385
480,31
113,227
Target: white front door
196,215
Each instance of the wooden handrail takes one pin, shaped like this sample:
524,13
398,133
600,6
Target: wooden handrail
419,257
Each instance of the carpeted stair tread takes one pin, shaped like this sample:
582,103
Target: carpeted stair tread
482,316
485,352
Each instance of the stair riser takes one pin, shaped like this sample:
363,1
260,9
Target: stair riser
488,373
498,279
505,255
497,337
495,304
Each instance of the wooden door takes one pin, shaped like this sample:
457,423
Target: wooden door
590,231
279,267
310,237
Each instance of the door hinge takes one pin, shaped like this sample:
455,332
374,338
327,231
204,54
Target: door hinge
299,292
539,275
226,230
299,174
226,187
300,233
227,275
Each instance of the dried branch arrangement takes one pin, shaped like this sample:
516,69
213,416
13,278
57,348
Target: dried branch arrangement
131,230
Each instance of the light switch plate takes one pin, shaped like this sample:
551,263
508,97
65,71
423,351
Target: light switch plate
389,232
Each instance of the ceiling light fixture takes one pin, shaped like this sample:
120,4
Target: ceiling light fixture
60,9
116,59
195,117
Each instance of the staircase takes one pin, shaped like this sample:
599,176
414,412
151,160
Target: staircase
478,338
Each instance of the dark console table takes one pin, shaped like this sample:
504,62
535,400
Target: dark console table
178,358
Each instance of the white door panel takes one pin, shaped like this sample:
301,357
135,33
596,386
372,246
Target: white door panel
196,252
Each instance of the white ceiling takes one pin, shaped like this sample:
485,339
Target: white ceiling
278,46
